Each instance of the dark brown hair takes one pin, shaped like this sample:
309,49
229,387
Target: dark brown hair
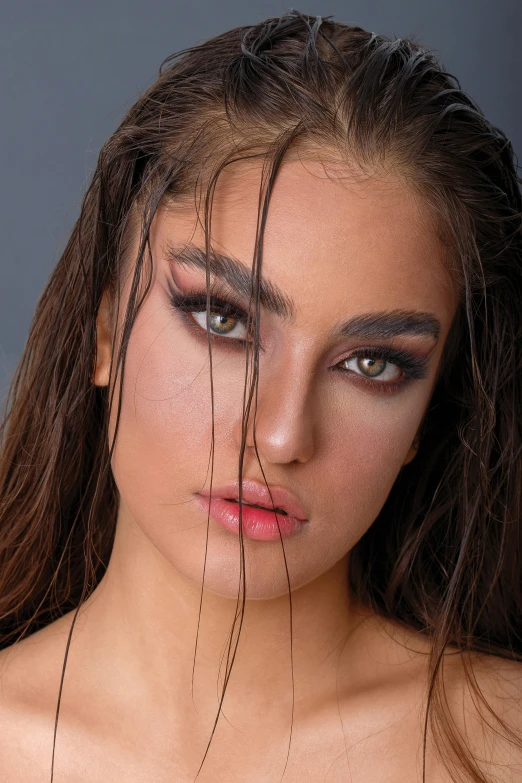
444,554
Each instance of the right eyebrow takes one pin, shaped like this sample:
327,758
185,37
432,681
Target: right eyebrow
236,275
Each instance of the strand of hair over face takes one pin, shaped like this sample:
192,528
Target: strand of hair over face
443,557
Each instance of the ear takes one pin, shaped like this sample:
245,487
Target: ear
413,451
100,376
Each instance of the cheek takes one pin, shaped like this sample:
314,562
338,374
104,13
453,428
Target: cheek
165,428
367,442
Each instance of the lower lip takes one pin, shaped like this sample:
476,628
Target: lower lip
257,523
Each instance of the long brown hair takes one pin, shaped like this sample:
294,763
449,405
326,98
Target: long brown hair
444,554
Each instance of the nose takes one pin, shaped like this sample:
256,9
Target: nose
284,424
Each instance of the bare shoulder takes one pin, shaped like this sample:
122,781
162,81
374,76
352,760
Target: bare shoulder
483,696
498,679
485,701
480,695
29,669
30,673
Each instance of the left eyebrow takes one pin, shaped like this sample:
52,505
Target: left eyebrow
238,277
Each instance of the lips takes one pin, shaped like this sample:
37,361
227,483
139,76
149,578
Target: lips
257,494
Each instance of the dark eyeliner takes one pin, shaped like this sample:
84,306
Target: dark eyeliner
413,367
196,301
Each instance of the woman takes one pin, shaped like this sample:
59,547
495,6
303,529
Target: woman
270,407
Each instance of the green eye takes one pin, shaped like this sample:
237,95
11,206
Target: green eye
220,324
371,367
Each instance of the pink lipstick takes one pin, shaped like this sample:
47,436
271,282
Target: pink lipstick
261,516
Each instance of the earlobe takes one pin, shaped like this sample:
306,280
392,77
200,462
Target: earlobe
101,374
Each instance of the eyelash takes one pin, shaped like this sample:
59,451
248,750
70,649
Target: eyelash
413,367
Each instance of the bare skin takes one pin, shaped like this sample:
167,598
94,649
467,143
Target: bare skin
337,247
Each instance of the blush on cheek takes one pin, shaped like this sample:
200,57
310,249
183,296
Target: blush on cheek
165,428
165,408
372,457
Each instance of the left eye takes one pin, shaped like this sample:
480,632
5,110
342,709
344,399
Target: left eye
373,367
221,324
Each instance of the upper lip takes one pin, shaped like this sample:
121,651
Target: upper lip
255,492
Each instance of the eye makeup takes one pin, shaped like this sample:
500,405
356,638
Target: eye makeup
221,303
413,367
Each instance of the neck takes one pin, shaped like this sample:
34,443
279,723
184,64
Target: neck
143,622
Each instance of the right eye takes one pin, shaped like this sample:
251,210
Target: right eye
227,320
221,323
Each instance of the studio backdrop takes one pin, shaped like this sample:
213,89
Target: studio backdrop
70,70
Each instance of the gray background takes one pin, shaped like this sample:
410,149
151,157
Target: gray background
70,69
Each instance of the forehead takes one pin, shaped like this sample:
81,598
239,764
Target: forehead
330,235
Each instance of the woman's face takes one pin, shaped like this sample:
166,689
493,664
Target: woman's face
330,427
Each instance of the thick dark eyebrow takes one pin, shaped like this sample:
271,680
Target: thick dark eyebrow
384,324
235,274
